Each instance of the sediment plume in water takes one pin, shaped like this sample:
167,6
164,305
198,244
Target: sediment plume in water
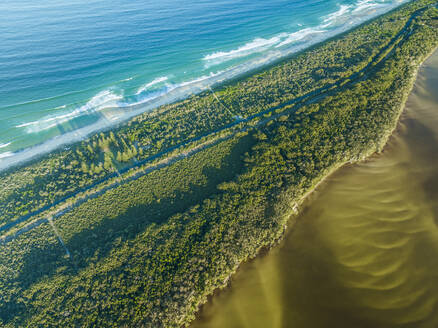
364,252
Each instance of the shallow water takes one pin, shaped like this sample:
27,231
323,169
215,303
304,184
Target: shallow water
364,252
69,68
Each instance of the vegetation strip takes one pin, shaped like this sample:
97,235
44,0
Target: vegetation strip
31,189
305,99
148,252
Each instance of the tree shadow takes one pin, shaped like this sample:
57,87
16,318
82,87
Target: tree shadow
91,245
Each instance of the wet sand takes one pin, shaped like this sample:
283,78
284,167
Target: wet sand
364,252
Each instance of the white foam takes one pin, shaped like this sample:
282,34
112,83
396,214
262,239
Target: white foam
332,18
257,45
147,97
346,15
5,145
150,84
300,35
26,124
201,79
260,45
106,98
199,84
363,5
6,154
174,92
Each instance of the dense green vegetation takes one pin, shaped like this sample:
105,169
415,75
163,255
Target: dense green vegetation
148,252
49,180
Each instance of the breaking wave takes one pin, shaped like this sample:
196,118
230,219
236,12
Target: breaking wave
6,154
345,17
107,98
151,84
257,45
332,18
116,104
300,35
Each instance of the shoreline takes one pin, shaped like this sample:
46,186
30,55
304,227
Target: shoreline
238,200
283,107
298,205
272,110
60,143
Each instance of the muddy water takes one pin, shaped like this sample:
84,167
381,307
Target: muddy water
364,253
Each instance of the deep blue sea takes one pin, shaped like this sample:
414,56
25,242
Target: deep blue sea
69,68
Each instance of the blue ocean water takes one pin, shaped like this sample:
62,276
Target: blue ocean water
69,68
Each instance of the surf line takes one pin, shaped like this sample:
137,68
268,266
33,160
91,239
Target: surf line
292,104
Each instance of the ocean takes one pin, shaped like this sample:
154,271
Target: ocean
71,68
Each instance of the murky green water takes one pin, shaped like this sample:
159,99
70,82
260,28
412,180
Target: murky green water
364,253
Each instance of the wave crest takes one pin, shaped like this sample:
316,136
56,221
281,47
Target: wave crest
151,84
257,45
104,99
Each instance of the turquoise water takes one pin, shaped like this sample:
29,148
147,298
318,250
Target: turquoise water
363,251
68,69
